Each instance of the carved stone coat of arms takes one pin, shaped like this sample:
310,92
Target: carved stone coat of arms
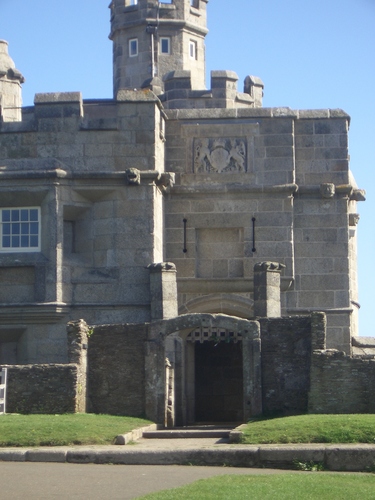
220,155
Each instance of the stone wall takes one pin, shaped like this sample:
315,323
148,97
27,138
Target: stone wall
116,374
298,374
100,227
43,389
341,384
286,353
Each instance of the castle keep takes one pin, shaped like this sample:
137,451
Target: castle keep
153,209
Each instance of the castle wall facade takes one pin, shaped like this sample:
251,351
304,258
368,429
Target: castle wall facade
155,206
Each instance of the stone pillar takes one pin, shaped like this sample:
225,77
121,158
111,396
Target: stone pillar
169,419
77,353
252,371
163,290
10,87
155,376
267,289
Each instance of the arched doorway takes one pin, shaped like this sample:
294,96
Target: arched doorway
218,376
214,369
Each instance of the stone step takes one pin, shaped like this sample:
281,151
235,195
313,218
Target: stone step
195,432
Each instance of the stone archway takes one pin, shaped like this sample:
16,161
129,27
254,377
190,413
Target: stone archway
220,303
171,336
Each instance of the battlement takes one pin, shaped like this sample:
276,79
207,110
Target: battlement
179,92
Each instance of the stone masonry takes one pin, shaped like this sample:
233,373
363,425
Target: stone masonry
159,203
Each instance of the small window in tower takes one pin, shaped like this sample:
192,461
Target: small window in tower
194,3
130,5
165,45
193,49
133,47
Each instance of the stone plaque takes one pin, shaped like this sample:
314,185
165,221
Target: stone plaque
220,155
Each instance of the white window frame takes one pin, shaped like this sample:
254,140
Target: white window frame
14,231
132,52
168,40
193,49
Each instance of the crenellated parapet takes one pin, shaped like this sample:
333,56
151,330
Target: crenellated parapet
179,92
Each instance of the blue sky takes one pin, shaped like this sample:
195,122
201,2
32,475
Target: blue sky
309,54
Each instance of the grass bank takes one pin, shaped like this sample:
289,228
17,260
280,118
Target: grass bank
309,486
64,430
356,428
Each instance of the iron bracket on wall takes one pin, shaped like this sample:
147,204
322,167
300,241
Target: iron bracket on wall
184,249
253,221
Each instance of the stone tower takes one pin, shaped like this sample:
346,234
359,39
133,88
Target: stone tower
10,87
151,39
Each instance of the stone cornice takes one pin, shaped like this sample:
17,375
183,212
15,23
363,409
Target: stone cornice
33,313
219,285
198,189
162,179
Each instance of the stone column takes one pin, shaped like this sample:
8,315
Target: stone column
155,376
267,289
252,371
163,290
77,353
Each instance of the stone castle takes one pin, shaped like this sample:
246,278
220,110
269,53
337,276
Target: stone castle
154,208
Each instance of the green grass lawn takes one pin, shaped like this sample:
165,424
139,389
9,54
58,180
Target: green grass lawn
60,430
312,429
306,486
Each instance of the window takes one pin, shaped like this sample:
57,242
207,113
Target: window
133,2
194,3
133,47
193,49
165,45
20,229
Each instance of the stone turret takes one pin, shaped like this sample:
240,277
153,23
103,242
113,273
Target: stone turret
10,87
152,39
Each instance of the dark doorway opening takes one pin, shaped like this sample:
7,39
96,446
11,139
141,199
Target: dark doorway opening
218,382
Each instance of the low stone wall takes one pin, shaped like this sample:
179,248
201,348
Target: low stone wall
341,384
42,388
286,354
116,369
298,374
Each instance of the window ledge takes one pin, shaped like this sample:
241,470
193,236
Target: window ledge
195,12
131,8
167,6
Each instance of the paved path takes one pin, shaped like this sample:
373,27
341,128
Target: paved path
39,481
202,451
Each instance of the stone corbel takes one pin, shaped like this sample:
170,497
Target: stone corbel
327,190
166,180
133,177
163,180
358,195
353,219
161,266
269,266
